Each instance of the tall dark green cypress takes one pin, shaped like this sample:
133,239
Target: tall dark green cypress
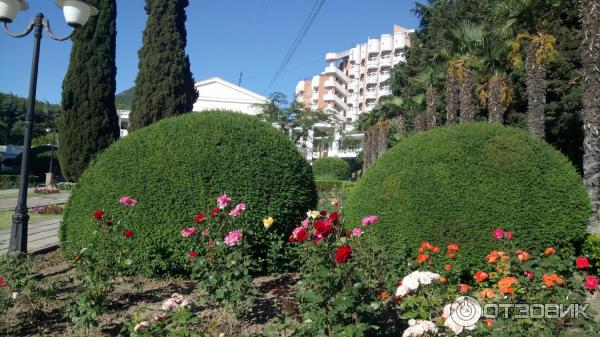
164,85
89,121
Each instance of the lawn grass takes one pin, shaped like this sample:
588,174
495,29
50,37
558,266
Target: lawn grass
6,218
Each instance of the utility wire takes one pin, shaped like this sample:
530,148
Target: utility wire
303,31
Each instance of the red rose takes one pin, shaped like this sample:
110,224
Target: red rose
528,274
481,276
199,218
98,214
448,267
343,254
582,262
323,227
128,233
463,288
193,254
591,282
323,213
214,212
334,217
2,283
508,235
299,234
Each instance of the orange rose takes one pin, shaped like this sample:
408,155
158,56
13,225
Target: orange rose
552,279
422,258
435,249
463,288
487,293
506,284
383,295
549,251
448,267
452,248
522,256
488,322
481,276
442,279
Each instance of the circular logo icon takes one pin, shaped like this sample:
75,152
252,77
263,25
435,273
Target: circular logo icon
465,311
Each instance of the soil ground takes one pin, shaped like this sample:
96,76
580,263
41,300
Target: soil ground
47,317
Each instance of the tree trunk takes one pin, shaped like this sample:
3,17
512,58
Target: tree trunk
431,115
495,102
536,92
419,123
370,147
382,138
451,99
589,13
400,124
467,99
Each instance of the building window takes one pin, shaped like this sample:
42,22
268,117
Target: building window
372,57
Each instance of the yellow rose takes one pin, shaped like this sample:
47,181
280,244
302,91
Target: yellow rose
268,222
315,214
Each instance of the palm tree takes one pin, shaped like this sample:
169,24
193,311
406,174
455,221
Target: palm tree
496,93
589,13
428,78
524,21
459,47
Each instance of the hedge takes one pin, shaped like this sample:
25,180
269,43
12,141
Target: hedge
12,181
331,168
176,168
457,184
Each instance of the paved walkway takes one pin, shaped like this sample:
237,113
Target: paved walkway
33,200
42,235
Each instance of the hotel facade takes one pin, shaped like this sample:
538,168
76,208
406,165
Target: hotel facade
351,84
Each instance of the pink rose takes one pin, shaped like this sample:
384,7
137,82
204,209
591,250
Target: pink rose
239,208
233,238
591,282
159,316
369,220
223,201
127,201
305,223
498,233
187,232
356,232
141,326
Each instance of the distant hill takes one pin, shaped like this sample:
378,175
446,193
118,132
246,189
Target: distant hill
124,99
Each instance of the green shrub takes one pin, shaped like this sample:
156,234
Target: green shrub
12,181
176,168
591,249
331,168
457,184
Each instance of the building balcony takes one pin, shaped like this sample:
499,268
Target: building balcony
384,92
384,77
334,70
371,95
315,82
372,64
387,62
373,46
335,84
372,80
335,99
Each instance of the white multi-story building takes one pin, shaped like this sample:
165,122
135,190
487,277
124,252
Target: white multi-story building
352,83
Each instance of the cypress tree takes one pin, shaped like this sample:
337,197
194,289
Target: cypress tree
89,121
164,85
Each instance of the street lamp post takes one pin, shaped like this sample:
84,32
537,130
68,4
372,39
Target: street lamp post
76,14
50,174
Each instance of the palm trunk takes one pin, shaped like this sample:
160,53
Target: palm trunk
495,102
467,99
370,147
400,124
536,92
419,122
382,138
451,99
431,115
589,12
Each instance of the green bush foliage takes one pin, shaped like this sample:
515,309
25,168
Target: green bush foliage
176,169
12,181
591,249
331,168
457,184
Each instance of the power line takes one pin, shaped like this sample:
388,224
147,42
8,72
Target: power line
303,31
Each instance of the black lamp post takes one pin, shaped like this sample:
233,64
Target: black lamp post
76,14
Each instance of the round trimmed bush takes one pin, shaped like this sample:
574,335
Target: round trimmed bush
176,168
331,168
457,184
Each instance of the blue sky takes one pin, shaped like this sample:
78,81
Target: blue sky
225,37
